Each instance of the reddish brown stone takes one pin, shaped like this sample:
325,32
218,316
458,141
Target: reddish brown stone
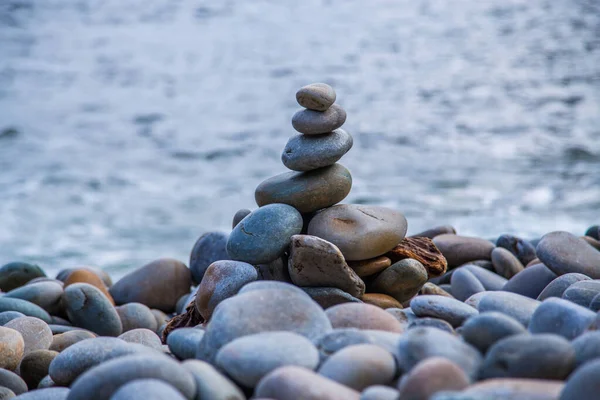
371,266
381,300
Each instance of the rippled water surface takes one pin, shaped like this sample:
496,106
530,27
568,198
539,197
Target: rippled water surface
129,127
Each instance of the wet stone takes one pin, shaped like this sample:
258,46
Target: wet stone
520,248
465,284
381,300
67,339
563,253
147,389
35,332
308,152
265,234
328,296
561,317
430,376
210,383
34,366
583,292
306,191
401,280
459,250
370,267
362,316
312,122
210,247
12,348
88,308
316,96
142,336
557,287
432,323
315,262
16,274
451,310
587,347
183,342
485,329
135,316
542,356
531,281
505,263
514,305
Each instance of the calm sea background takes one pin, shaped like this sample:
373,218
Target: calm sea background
130,127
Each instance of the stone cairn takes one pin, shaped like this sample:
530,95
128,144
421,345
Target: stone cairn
306,299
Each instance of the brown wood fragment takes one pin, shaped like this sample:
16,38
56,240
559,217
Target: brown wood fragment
190,318
424,251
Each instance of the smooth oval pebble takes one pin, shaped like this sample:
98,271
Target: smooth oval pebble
306,191
12,348
339,338
436,231
265,234
432,323
210,247
583,383
308,152
292,383
158,284
103,275
12,381
210,383
35,332
587,347
34,366
84,275
381,300
62,341
248,359
557,287
88,308
142,336
6,393
531,281
402,280
310,122
561,317
505,263
513,389
360,232
222,280
514,305
485,329
16,274
6,316
267,285
446,308
136,316
520,248
360,366
364,268
54,393
542,356
147,389
432,288
583,292
237,217
183,342
460,250
563,253
46,294
316,96
379,392
419,344
362,316
24,307
105,379
490,280
465,284
329,296
430,376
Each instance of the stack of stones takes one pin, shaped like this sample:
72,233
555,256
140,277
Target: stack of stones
306,299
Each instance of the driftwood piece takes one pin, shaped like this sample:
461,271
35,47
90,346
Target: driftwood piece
424,251
190,318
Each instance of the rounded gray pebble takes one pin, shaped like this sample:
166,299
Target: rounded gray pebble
583,383
87,307
237,217
183,342
489,279
36,333
316,96
582,292
514,305
485,329
54,393
460,250
465,284
210,383
6,316
446,308
329,296
561,317
564,252
12,381
147,389
6,393
520,248
505,263
45,294
557,287
135,316
432,323
210,247
531,281
587,347
142,336
308,152
312,122
24,307
379,392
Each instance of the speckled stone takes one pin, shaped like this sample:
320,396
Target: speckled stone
46,294
360,232
6,316
83,275
459,250
308,152
16,274
12,381
147,389
310,122
316,96
465,284
210,247
35,332
370,267
237,217
514,305
183,342
485,329
542,356
12,348
430,376
210,383
520,248
135,316
489,279
563,252
381,300
557,287
34,366
583,382
62,341
419,344
531,281
248,359
448,309
24,307
402,280
514,389
223,279
360,366
105,379
265,234
306,191
432,323
88,308
587,347
328,296
292,383
505,263
142,336
264,310
582,292
561,317
158,284
315,262
362,316
54,393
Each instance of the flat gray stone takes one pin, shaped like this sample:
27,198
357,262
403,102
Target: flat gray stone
312,122
514,305
135,316
582,292
485,329
557,287
308,152
460,250
465,284
563,253
316,96
87,307
46,294
446,308
561,317
531,281
505,263
184,342
329,296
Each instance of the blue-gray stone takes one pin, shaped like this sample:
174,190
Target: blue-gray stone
465,284
583,383
593,231
105,379
312,122
489,279
249,358
24,307
87,307
142,336
16,274
262,311
210,383
266,285
238,216
485,329
46,382
265,234
12,381
6,316
183,342
432,323
46,294
561,317
147,389
136,315
582,292
306,191
505,263
6,393
210,247
543,356
460,250
514,305
557,287
563,252
436,231
308,152
419,344
54,393
595,303
587,347
316,96
58,329
531,281
520,248
451,310
379,392
329,296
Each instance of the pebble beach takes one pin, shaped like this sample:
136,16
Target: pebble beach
311,297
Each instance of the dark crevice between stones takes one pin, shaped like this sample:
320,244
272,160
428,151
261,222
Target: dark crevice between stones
189,319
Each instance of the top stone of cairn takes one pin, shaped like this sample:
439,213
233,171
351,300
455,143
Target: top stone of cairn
316,96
